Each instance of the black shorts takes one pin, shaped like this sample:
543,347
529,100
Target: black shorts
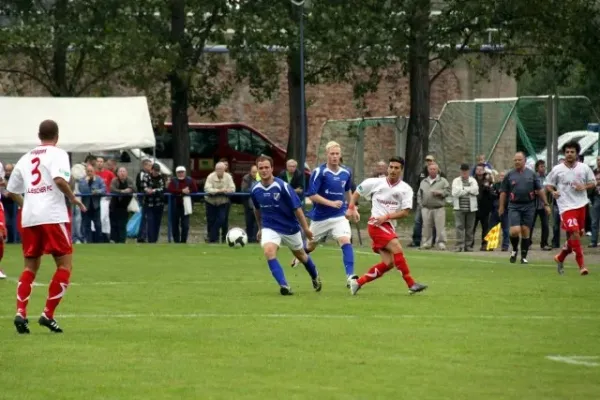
521,215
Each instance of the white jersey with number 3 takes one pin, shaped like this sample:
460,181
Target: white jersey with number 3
34,175
386,198
564,179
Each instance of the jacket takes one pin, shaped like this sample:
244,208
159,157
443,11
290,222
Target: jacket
427,199
459,190
177,185
96,188
213,185
123,200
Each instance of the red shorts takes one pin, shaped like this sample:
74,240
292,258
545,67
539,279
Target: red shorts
52,239
573,220
381,235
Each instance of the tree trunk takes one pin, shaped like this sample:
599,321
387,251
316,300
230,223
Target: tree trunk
179,88
179,118
293,80
418,65
60,48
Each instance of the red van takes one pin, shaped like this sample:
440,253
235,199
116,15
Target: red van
239,143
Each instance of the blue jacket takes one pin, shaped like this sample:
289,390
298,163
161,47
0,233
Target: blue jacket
96,187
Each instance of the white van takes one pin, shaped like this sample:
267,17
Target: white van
588,140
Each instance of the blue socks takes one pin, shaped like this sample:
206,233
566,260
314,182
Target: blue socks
311,268
277,271
348,258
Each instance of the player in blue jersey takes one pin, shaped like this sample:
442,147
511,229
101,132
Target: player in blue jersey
330,190
280,216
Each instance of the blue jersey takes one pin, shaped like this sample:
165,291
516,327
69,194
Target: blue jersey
277,204
332,186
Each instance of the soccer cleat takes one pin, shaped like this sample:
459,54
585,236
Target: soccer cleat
524,261
416,288
560,267
2,274
286,291
513,257
50,324
584,271
294,263
350,278
22,324
317,285
354,286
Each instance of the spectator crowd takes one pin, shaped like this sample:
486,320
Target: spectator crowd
473,197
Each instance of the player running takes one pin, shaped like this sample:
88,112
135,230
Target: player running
569,182
43,175
279,216
391,199
330,190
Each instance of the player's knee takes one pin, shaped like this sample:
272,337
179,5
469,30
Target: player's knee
515,231
343,240
270,250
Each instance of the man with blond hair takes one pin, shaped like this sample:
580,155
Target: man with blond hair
330,191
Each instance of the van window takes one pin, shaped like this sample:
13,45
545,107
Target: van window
244,141
204,143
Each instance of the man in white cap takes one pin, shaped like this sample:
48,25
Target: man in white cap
180,187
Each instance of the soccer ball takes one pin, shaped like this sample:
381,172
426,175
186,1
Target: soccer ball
236,237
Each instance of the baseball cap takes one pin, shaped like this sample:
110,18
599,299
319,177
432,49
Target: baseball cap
464,167
181,168
156,167
429,157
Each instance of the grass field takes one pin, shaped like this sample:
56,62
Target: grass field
207,322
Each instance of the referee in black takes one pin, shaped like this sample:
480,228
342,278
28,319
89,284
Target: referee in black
521,186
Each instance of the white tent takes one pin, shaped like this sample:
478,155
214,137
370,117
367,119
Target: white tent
85,124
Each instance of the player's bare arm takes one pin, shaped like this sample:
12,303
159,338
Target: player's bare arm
316,198
65,188
258,223
352,213
501,203
552,190
17,198
395,215
303,223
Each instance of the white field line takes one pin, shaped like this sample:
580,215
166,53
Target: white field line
576,360
324,316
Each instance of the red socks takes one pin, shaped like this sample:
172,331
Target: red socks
1,249
24,291
375,272
402,266
56,290
575,244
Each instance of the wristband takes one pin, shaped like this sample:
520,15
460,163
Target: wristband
387,217
351,207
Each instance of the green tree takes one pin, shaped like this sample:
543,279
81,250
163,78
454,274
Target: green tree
176,33
70,48
337,38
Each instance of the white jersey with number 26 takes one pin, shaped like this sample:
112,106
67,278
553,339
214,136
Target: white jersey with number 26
564,179
34,175
386,198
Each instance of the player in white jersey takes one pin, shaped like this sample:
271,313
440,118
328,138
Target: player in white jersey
43,176
391,199
3,232
569,182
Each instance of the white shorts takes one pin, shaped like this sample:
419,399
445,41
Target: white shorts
293,242
337,227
